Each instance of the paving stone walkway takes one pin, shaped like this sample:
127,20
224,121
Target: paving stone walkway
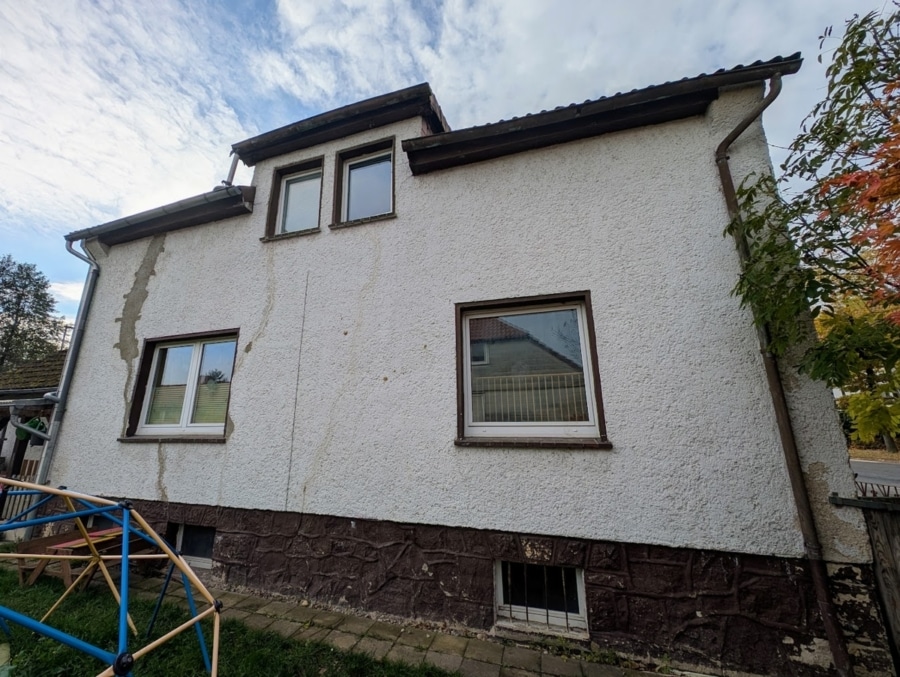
470,657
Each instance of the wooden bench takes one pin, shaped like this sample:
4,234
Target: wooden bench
106,542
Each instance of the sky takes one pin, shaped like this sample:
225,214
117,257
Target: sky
111,108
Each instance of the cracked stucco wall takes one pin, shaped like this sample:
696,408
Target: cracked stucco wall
636,217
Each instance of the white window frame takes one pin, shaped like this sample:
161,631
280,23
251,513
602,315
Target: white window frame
192,560
348,164
282,196
537,429
545,619
184,427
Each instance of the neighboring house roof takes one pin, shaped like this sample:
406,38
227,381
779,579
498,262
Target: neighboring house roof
440,148
36,375
494,329
637,108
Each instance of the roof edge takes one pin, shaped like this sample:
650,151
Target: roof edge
637,108
378,111
218,204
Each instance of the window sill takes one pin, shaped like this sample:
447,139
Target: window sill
535,442
360,222
291,235
183,439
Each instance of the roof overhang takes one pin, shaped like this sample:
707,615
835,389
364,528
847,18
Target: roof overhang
649,106
342,122
218,204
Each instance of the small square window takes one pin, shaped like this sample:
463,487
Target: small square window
196,545
550,597
366,182
296,199
527,370
184,387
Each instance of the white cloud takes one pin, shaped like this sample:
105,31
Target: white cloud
67,291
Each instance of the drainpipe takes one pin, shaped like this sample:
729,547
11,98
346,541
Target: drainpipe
811,542
62,393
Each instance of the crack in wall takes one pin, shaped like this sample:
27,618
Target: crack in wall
160,473
128,345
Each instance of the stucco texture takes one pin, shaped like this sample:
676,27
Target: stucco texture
344,392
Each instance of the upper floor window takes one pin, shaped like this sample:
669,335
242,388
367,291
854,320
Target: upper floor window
366,182
185,390
296,199
528,374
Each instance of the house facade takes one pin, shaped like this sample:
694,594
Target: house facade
494,377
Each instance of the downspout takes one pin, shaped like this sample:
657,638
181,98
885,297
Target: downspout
62,393
811,542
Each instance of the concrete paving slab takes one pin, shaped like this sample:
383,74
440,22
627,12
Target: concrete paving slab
341,640
523,659
302,614
384,631
600,670
286,628
560,665
258,621
450,644
235,614
356,625
486,652
374,648
327,619
405,654
516,672
312,633
470,668
444,661
275,608
420,639
251,603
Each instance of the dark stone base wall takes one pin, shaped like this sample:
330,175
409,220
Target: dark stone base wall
734,611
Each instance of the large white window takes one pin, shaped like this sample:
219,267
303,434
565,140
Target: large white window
541,596
299,209
527,371
188,387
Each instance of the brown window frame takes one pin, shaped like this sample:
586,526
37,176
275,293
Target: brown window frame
278,177
523,303
148,350
346,156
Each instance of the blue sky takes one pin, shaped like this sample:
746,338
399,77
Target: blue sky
110,108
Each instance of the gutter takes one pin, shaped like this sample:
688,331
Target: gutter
61,396
811,543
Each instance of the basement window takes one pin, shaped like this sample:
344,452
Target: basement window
196,545
541,596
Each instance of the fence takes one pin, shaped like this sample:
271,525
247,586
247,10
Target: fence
16,504
538,397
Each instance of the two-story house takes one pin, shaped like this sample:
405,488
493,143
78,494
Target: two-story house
493,376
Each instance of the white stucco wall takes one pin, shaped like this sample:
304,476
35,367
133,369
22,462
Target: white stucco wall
344,393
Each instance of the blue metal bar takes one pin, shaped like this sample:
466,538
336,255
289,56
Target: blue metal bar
123,583
56,518
116,520
193,607
59,636
31,509
159,601
24,492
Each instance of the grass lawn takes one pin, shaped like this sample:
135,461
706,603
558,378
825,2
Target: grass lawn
93,616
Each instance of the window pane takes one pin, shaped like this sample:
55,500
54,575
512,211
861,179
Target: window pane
197,541
535,372
369,188
300,209
214,382
169,385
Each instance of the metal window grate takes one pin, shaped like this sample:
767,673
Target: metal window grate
539,594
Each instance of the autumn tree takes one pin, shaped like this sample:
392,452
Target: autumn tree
824,235
28,328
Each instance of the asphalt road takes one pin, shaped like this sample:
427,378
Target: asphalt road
876,472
